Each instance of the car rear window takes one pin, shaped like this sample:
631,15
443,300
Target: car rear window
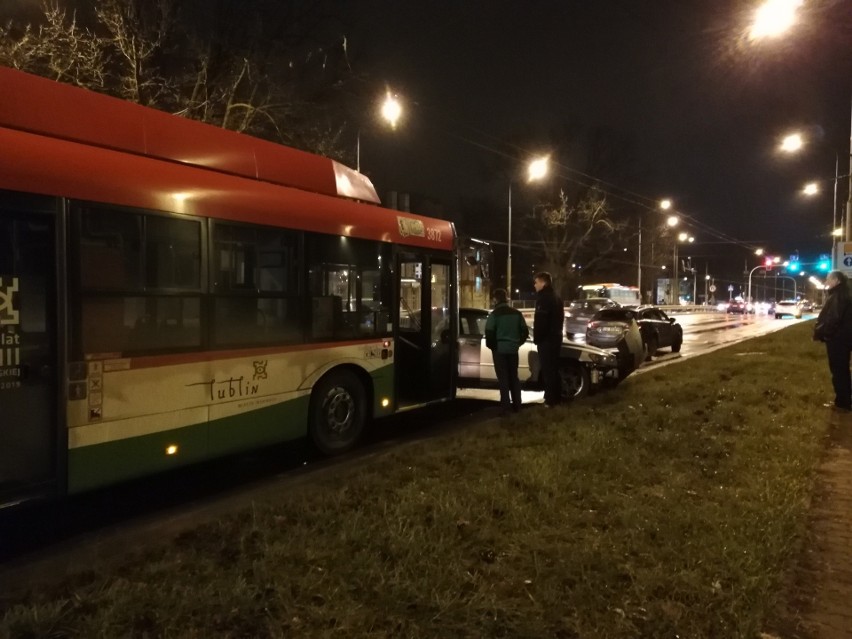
615,314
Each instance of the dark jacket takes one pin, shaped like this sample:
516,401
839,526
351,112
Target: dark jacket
549,322
835,318
505,329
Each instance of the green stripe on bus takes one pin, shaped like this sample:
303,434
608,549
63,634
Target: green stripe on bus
102,464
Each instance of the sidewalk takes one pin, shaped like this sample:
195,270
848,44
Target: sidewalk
825,572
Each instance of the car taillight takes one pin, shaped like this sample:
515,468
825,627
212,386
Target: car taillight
593,325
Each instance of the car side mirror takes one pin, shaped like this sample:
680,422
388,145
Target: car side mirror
671,320
445,336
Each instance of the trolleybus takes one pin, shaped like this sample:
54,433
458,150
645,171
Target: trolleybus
624,295
172,292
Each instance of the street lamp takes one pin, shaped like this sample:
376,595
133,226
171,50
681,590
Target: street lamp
390,111
682,237
665,204
537,169
810,189
773,18
792,143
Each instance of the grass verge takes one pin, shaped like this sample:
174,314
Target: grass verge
671,506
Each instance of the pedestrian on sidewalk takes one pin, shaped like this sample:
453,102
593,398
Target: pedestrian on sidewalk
505,331
548,328
834,327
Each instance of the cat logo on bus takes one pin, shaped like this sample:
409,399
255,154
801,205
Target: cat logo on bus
8,314
410,227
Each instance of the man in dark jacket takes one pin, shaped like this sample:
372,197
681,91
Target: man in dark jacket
548,327
505,331
834,327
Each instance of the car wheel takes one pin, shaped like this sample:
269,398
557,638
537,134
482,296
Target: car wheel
677,342
575,380
652,346
338,412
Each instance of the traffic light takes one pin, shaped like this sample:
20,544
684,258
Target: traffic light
793,267
824,265
768,262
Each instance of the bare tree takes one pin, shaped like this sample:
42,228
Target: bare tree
264,72
570,232
58,48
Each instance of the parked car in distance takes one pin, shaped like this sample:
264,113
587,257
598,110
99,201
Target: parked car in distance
579,312
788,307
582,367
807,306
618,328
658,330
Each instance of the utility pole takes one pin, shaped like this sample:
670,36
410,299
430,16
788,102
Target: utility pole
639,261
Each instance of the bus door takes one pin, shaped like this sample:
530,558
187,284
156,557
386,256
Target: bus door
28,348
425,336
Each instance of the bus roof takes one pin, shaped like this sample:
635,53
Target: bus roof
51,108
68,166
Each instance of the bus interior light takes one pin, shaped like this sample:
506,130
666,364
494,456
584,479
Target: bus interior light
171,449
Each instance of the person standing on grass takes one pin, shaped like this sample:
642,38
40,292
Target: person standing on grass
505,331
548,327
834,327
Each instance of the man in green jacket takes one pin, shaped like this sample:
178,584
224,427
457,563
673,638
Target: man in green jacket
505,331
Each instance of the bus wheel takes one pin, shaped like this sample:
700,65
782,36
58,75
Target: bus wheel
575,380
338,412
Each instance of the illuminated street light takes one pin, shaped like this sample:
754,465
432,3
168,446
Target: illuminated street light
758,252
773,18
672,220
837,232
390,111
537,169
811,188
682,237
792,143
665,204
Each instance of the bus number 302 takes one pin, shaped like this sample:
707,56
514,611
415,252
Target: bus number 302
433,234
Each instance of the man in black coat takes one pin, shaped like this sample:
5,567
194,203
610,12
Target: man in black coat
548,326
834,327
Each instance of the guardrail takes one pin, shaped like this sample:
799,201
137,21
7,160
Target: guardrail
529,305
690,308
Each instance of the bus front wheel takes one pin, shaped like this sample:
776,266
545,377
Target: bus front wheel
338,412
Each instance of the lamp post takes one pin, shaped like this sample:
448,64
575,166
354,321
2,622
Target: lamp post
390,111
748,301
536,170
682,237
672,222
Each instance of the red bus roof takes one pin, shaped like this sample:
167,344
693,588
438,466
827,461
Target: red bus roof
43,106
40,163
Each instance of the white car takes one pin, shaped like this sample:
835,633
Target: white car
788,307
582,366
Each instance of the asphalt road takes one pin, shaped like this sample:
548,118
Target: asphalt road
42,541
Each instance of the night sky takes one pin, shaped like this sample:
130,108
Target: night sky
695,110
702,109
